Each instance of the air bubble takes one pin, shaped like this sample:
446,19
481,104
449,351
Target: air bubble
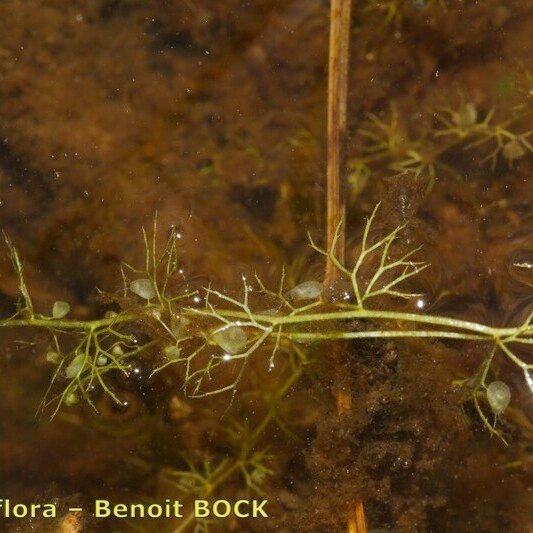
521,266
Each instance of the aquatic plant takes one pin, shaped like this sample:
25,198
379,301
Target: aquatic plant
389,146
201,478
496,394
228,330
85,351
290,324
502,141
392,10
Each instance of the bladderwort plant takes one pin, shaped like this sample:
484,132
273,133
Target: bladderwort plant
202,478
85,351
392,10
225,331
388,144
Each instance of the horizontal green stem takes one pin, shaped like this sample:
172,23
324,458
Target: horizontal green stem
472,330
390,334
357,314
59,324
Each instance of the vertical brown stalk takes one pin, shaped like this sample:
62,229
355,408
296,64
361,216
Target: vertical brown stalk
339,42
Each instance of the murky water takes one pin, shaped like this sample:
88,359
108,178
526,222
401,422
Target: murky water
210,117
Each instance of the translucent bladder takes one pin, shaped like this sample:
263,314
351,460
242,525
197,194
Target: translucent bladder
498,396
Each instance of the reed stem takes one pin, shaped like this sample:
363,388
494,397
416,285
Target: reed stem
339,41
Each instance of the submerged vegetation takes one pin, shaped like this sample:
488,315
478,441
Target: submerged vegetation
209,338
392,10
202,479
206,332
388,145
224,330
248,349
